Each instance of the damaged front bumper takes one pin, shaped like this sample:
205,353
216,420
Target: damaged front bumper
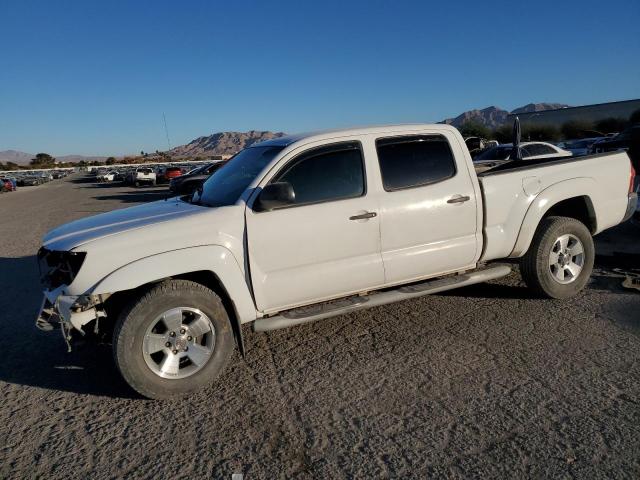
68,312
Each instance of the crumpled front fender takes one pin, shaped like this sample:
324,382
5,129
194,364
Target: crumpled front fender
213,258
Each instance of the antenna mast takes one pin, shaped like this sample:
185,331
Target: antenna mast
166,131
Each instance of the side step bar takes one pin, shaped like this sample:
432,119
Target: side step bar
319,311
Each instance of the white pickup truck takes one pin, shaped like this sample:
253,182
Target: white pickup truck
305,227
144,176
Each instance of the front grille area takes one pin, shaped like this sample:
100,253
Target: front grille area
58,268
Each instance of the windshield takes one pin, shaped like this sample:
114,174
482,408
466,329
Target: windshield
226,185
495,153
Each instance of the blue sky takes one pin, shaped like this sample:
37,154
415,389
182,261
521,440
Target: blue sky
94,77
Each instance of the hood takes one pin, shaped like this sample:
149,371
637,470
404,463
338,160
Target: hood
79,232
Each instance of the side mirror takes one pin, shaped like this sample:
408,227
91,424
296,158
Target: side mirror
275,195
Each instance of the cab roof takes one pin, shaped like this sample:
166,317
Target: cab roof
287,140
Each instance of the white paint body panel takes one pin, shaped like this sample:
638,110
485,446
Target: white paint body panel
515,201
302,255
421,234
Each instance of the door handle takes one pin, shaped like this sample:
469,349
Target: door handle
363,216
459,199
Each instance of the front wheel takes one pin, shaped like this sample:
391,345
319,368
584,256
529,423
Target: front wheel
560,259
172,341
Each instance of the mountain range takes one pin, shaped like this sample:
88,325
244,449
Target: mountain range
222,143
493,117
228,143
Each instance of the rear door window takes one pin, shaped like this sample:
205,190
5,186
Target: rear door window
413,161
546,150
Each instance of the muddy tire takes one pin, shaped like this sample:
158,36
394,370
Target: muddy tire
173,340
560,259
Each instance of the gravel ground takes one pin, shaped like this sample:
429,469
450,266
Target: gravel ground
483,382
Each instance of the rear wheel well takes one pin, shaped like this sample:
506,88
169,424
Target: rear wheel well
579,208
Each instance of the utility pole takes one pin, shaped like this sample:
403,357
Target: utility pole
166,131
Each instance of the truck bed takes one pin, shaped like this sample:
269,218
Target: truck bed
513,165
511,189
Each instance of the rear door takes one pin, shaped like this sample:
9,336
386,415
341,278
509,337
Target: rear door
429,218
325,245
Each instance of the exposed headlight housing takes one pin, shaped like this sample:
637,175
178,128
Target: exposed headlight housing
58,268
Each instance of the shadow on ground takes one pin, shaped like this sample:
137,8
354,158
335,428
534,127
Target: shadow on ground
84,179
40,359
137,196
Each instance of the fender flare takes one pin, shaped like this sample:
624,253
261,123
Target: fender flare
547,198
214,258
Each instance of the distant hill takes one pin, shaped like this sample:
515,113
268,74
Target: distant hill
222,143
493,117
23,158
539,107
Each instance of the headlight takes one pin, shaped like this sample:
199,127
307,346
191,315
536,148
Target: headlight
58,268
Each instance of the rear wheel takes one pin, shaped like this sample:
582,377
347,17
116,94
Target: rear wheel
172,341
560,259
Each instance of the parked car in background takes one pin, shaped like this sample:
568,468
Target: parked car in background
12,180
46,176
160,171
579,147
172,172
189,182
107,177
7,185
144,176
621,141
530,151
130,176
31,181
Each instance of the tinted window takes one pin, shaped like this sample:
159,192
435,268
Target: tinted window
412,161
534,149
546,150
327,173
495,153
527,151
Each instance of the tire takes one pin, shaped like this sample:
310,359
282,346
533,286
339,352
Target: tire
137,184
131,334
541,271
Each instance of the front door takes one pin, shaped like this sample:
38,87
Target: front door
324,245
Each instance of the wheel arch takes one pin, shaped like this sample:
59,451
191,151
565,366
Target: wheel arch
573,198
213,266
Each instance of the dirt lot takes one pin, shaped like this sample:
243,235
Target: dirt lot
481,382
